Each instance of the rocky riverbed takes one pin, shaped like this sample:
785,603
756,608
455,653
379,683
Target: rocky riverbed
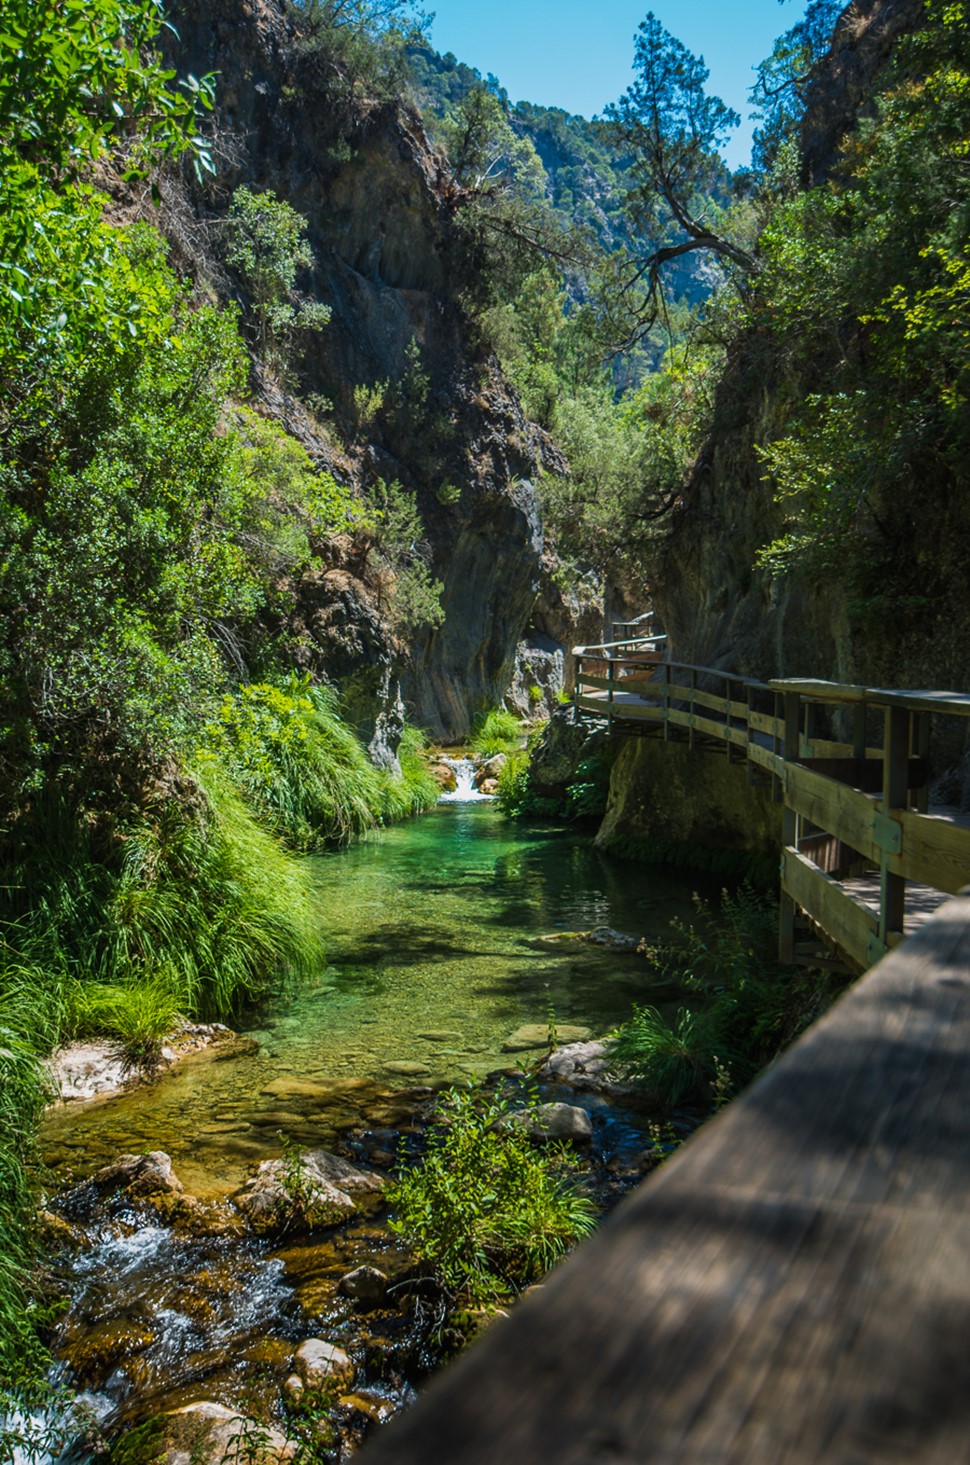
287,1312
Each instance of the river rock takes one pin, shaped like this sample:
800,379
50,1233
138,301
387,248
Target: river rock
584,1066
536,1035
320,1364
207,1433
488,786
548,1122
273,1202
140,1175
489,771
612,940
367,1285
88,1070
311,1192
444,777
407,1068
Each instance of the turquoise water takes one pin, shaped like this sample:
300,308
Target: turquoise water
438,949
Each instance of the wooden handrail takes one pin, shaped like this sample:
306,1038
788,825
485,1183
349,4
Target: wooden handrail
847,806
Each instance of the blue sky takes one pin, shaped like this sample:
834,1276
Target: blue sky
577,54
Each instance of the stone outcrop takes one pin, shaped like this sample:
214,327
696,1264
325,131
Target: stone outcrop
445,423
303,1193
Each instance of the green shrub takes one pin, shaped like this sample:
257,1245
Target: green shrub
415,790
494,732
674,1062
486,1209
513,783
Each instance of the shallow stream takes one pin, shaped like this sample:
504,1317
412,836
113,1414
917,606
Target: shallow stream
438,950
446,935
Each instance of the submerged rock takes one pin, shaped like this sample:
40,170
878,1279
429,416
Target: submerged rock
321,1364
538,1035
613,940
96,1069
548,1122
364,1284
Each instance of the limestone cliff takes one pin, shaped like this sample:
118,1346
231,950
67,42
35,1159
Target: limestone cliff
444,422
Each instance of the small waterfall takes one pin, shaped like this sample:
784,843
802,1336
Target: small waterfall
464,791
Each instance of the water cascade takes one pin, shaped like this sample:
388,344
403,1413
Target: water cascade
464,791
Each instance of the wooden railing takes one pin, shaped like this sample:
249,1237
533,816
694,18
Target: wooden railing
851,765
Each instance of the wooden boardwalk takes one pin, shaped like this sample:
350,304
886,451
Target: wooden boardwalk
792,1287
851,766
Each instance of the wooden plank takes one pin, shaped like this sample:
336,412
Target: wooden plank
622,711
820,748
764,722
848,924
765,758
791,1287
951,704
936,851
834,807
820,691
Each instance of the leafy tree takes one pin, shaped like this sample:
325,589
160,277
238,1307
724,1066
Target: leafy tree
779,92
78,80
266,243
865,287
673,128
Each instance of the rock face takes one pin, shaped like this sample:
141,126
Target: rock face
718,610
566,742
444,422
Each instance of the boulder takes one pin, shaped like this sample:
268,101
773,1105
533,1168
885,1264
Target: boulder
536,1035
489,771
207,1433
366,1285
322,1365
444,777
612,940
584,1066
283,1197
548,1122
139,1175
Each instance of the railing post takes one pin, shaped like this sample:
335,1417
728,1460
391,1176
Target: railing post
693,708
577,683
921,749
747,733
609,693
666,667
895,781
789,830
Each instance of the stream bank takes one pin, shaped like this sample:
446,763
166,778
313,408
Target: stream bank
451,954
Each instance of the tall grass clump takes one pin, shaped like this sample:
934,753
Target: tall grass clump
298,764
30,1015
485,1209
673,1061
494,732
211,899
415,790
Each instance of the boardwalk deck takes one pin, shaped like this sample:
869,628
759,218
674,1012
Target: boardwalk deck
792,1287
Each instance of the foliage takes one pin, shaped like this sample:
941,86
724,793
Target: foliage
410,595
79,80
266,244
673,128
355,48
868,278
747,1007
673,1061
486,1209
494,732
780,89
30,1019
139,1015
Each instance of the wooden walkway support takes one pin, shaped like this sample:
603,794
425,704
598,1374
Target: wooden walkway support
864,860
792,1287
